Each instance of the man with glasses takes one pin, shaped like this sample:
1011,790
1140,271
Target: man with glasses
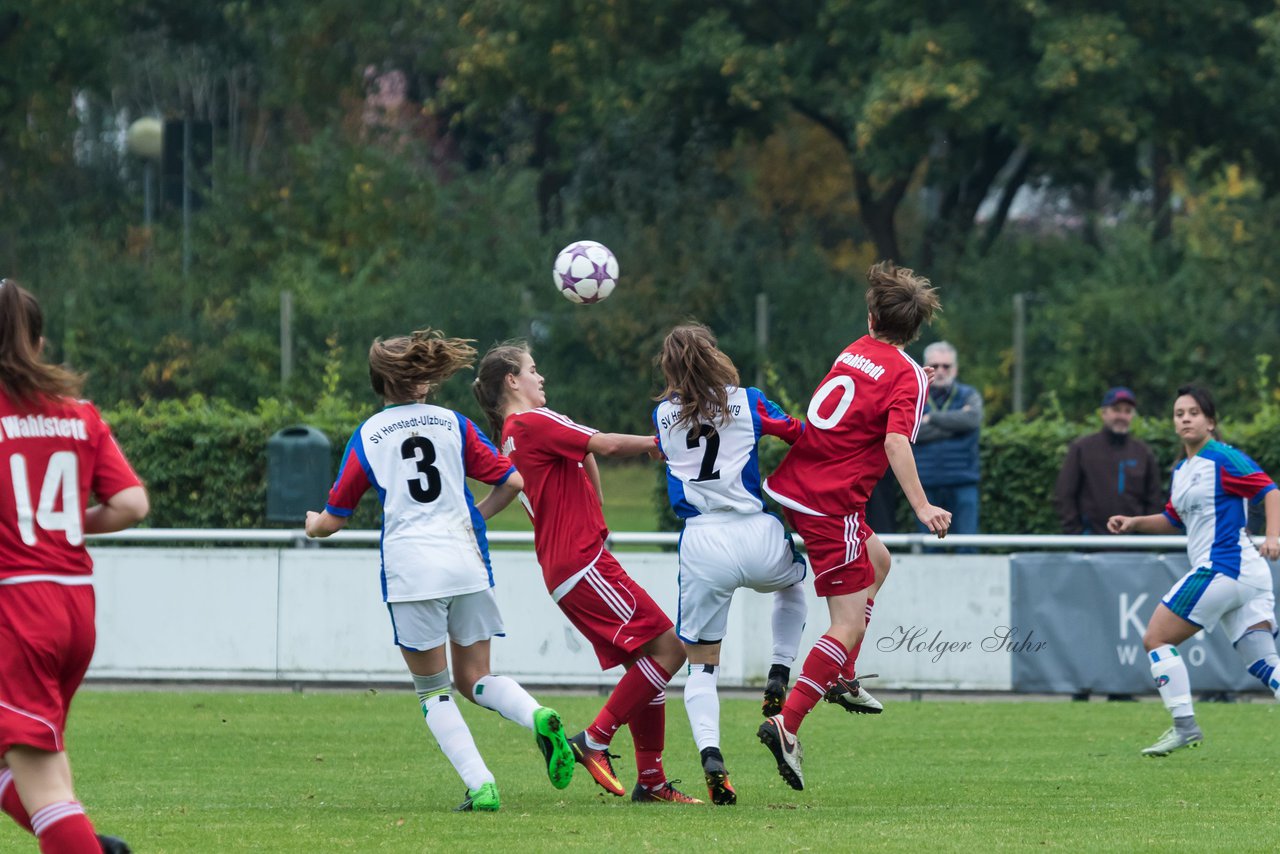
947,445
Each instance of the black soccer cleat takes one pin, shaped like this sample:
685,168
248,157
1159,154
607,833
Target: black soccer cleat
775,690
786,750
718,786
849,695
113,845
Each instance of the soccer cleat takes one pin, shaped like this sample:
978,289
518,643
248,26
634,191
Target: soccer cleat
1173,740
718,785
597,764
786,750
549,732
775,694
113,845
483,799
849,695
666,793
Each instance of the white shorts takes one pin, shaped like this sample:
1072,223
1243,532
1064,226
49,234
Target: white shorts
427,623
719,553
1207,598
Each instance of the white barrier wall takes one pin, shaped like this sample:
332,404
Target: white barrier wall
310,614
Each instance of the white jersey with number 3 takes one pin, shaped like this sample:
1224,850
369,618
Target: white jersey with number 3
417,457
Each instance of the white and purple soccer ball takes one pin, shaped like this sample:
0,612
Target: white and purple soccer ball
585,272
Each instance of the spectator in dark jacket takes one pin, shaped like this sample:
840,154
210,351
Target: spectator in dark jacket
1108,473
947,442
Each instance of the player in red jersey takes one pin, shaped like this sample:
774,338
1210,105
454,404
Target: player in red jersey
55,451
862,418
555,456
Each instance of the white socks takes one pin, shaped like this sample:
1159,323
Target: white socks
1257,650
789,612
703,704
1172,680
505,696
450,730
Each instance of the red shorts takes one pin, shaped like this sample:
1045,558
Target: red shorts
46,642
837,547
613,612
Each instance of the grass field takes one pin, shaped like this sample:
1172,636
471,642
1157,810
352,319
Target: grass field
357,771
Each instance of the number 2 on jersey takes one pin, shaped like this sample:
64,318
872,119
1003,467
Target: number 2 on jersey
61,486
426,487
693,438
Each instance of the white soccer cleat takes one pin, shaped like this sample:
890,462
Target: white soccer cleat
786,750
1173,740
849,695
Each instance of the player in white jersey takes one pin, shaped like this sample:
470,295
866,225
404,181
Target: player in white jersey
709,427
1229,581
436,577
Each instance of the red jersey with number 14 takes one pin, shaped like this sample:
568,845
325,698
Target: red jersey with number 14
872,390
52,458
568,524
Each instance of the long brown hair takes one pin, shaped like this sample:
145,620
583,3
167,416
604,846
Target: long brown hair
24,376
900,302
697,373
502,360
412,366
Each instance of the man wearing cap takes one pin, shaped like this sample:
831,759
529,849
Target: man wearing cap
1108,473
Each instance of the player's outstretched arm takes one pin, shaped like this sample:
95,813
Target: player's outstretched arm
1156,523
620,444
897,448
325,523
123,510
500,496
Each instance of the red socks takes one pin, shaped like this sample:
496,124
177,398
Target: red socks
11,803
642,682
63,828
648,732
821,667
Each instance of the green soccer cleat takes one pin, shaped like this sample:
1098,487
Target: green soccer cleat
483,799
549,732
1173,740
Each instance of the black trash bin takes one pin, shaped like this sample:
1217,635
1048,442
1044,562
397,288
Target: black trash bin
299,473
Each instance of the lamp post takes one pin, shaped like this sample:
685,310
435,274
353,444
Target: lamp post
144,139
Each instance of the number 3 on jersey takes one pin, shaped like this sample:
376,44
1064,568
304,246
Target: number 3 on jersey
426,487
61,487
845,386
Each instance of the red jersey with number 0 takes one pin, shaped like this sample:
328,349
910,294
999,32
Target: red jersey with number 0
568,523
872,390
52,458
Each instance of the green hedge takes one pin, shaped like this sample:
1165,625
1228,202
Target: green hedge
205,461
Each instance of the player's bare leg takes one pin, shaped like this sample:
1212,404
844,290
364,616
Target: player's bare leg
847,691
502,694
821,667
41,779
1165,630
430,672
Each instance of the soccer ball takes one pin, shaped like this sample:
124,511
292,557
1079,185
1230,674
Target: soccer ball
585,272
